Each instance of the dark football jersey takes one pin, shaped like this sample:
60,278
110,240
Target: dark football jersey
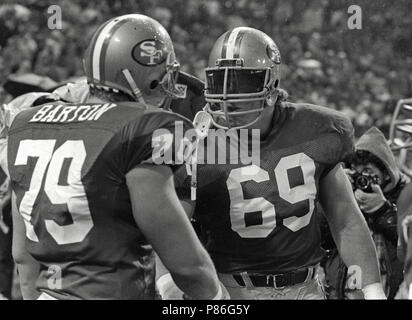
67,166
260,217
404,231
408,265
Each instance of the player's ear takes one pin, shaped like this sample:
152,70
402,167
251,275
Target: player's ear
277,95
272,98
283,95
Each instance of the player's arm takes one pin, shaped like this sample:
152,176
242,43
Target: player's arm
164,282
163,221
405,240
350,231
5,201
189,207
408,267
28,268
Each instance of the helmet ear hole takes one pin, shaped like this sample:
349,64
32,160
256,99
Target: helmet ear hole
276,84
154,84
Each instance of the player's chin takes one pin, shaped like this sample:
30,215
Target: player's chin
241,122
233,122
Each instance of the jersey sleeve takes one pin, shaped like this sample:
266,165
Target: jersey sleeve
346,132
342,129
158,138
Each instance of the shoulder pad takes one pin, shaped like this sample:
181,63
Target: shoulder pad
73,92
23,102
325,119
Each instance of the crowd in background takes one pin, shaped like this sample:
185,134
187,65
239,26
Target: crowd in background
360,72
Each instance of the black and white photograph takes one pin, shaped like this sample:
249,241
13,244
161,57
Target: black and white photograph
206,150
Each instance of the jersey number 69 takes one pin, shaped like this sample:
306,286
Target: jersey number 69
239,206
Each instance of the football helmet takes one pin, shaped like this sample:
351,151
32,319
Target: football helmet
400,135
244,66
133,54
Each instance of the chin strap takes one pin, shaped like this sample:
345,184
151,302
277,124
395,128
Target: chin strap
202,122
167,102
135,90
193,181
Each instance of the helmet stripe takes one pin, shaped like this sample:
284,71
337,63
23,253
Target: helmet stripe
236,50
224,48
106,42
98,48
232,42
92,46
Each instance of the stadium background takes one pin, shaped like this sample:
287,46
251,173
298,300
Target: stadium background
361,72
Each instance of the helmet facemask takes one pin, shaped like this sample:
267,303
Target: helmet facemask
161,92
169,82
235,84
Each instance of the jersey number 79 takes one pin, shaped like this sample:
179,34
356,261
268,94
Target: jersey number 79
48,166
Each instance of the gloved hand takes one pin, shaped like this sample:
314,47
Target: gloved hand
168,289
404,293
374,291
370,202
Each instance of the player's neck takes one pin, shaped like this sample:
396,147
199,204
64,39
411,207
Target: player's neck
264,124
93,99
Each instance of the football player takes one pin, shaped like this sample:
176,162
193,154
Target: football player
91,193
405,241
400,136
259,216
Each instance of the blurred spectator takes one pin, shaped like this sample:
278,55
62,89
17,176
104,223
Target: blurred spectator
377,184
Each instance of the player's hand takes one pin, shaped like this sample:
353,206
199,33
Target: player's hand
3,297
168,289
404,293
374,291
406,224
349,173
370,202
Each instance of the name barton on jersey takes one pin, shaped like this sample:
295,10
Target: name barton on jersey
67,165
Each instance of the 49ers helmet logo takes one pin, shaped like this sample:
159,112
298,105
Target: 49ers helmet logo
150,52
273,53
